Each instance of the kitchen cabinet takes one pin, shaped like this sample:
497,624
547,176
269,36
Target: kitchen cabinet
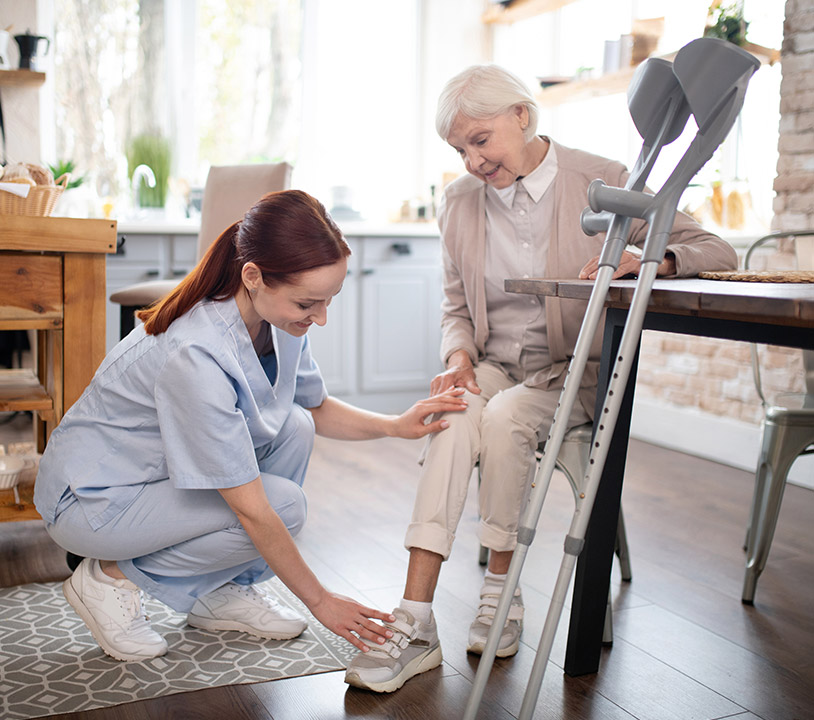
52,280
380,346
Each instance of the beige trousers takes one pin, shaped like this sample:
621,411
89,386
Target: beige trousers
500,429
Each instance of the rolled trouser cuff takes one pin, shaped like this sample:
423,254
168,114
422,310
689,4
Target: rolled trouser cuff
495,538
430,537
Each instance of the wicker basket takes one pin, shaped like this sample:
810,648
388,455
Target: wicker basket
40,201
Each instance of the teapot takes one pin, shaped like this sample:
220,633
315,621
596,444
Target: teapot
29,48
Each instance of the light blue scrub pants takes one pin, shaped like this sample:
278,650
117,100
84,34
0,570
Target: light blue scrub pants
178,545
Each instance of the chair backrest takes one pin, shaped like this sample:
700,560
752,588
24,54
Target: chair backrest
803,240
230,191
804,249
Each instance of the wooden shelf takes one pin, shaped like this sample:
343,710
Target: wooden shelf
21,78
10,510
20,390
521,10
608,84
618,82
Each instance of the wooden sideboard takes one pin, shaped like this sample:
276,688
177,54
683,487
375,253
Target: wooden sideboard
52,280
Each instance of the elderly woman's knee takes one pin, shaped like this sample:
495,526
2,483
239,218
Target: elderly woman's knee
499,412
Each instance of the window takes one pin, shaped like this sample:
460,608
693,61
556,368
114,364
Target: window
217,80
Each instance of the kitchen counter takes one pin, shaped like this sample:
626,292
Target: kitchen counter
351,228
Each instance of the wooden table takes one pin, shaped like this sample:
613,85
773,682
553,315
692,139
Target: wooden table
777,314
52,280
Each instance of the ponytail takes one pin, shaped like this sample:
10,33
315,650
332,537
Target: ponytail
284,233
216,276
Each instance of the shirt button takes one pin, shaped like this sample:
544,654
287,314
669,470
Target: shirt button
517,345
526,275
522,212
525,244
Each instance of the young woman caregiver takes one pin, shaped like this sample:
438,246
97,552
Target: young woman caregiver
179,470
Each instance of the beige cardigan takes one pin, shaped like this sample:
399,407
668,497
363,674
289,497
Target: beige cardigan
461,219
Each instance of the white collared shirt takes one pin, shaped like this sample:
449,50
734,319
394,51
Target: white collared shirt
518,219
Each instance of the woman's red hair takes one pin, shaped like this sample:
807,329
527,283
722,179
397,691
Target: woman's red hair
285,233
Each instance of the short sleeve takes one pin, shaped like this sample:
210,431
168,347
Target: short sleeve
311,391
206,440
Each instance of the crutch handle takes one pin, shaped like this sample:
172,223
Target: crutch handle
594,223
629,203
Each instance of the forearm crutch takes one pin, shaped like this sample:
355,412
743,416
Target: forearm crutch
711,77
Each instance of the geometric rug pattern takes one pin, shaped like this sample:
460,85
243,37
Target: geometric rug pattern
50,663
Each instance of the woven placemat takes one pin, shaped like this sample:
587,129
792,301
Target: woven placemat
766,276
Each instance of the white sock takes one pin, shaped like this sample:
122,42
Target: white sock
495,578
421,611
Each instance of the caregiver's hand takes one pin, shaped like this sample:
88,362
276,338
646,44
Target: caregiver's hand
413,423
351,620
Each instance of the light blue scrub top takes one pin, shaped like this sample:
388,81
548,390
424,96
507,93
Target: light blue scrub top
190,404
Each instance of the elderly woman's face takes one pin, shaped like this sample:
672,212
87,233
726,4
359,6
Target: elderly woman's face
494,149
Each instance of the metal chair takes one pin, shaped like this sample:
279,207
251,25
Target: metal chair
572,460
787,432
229,192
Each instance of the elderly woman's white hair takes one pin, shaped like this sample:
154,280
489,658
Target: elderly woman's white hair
481,92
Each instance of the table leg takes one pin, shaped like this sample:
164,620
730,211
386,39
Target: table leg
592,578
84,324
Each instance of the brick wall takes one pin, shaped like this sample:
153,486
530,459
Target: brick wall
716,376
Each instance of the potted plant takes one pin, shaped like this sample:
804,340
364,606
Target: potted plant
152,150
63,167
727,22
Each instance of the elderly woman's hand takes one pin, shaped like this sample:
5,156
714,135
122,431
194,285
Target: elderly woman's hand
459,373
629,264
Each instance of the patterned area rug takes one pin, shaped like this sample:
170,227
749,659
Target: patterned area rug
50,664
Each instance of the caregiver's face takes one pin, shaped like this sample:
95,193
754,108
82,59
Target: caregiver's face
294,307
494,149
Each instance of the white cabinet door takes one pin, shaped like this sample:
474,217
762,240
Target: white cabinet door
333,344
400,315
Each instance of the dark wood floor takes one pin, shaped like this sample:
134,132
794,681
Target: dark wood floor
685,647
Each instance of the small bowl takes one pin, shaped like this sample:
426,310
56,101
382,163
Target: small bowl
10,469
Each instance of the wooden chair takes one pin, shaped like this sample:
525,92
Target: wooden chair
229,192
787,432
573,462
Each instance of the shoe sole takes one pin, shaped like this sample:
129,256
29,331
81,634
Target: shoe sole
211,624
416,666
81,609
478,648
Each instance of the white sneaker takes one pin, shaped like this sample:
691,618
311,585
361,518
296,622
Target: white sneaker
479,629
246,609
413,649
113,612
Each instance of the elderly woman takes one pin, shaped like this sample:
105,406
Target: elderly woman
516,214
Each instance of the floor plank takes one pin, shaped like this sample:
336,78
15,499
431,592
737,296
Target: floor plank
685,647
